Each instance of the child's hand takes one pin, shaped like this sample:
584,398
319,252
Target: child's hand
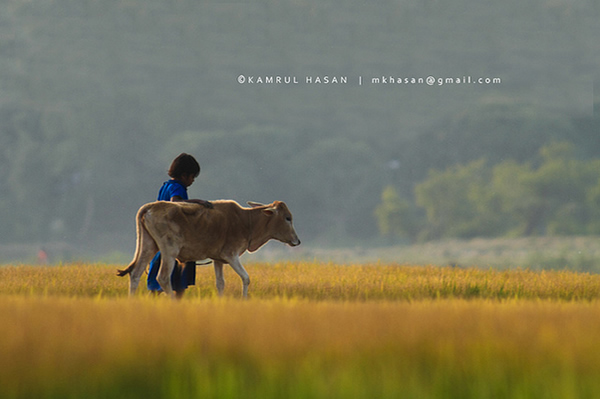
206,204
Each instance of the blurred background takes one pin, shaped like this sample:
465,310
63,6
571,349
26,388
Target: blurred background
98,96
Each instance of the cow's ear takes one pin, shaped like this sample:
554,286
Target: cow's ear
269,211
255,204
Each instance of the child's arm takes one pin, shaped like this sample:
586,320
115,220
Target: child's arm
206,204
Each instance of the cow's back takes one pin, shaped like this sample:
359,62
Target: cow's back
199,232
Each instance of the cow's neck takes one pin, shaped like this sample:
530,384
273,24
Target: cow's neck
257,232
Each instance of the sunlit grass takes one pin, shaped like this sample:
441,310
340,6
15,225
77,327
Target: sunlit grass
309,330
320,282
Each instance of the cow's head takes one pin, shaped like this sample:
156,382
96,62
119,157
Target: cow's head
280,225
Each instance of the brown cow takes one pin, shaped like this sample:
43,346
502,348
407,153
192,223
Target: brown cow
189,232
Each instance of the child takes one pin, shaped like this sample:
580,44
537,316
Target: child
183,171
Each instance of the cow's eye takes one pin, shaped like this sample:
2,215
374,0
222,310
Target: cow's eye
288,218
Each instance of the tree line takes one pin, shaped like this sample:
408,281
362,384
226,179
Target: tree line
554,194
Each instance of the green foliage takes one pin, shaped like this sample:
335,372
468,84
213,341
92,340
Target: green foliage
559,196
561,184
593,204
457,202
396,217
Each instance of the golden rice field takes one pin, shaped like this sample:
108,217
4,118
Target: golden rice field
309,330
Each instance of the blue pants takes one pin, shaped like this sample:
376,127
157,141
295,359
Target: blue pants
180,278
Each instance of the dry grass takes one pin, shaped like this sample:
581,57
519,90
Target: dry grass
309,330
319,281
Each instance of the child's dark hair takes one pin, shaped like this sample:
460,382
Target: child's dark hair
184,164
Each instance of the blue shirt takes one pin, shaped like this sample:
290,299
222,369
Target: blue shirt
172,188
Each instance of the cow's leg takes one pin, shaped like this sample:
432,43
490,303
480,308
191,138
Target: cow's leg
138,271
148,250
167,264
219,276
239,269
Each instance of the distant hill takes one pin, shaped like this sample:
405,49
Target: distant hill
96,98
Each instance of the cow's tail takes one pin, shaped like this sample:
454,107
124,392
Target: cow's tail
138,245
125,272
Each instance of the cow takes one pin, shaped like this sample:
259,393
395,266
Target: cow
189,232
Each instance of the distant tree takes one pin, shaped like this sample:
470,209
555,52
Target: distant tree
36,167
560,186
559,196
397,218
495,132
593,204
456,202
516,202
